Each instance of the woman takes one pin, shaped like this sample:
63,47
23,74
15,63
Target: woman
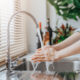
68,47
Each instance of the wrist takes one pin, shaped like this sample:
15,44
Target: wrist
56,47
58,56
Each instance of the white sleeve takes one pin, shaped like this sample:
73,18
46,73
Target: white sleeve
77,30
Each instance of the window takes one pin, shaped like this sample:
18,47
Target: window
17,33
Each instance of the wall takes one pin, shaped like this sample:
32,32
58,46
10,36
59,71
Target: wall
38,9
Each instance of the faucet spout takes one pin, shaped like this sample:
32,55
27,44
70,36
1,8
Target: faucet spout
8,34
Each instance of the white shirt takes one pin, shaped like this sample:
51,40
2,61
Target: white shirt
77,30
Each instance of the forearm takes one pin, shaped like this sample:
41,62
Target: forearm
69,51
69,41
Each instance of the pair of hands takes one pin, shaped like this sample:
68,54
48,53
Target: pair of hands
47,53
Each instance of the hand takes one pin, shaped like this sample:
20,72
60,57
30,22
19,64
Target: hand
46,53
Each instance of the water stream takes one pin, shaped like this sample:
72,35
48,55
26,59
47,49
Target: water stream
47,63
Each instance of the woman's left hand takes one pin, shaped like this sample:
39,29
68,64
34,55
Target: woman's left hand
46,53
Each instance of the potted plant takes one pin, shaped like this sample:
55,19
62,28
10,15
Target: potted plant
62,33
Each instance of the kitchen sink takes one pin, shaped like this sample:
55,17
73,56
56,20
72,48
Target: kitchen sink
69,64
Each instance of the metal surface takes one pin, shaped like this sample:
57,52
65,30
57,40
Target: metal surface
69,64
53,67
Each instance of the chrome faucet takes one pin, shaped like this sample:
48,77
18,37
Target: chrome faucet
8,34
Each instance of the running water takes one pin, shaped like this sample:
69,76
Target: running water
50,62
47,63
36,65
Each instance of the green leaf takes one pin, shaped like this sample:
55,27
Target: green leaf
68,13
70,1
77,3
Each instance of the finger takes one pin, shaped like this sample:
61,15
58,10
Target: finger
40,60
35,57
37,52
40,57
39,49
56,59
46,47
